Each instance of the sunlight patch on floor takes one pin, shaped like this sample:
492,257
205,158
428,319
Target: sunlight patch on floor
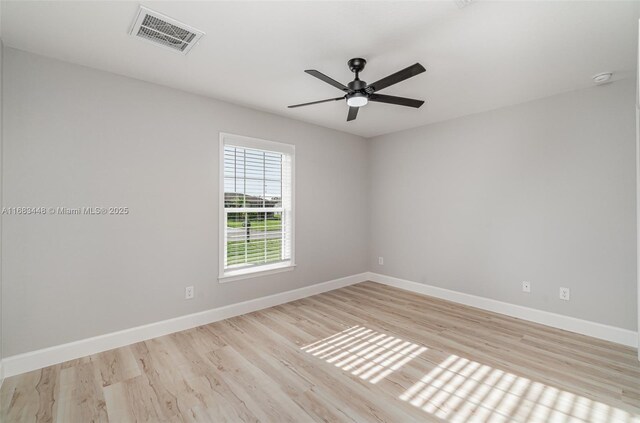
366,353
462,390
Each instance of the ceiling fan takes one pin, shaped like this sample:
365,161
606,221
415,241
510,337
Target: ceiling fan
359,93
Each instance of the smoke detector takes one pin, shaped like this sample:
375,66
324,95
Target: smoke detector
602,78
164,31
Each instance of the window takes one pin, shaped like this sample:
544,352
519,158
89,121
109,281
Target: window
256,218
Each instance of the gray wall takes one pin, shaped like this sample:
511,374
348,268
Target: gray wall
543,192
1,183
80,137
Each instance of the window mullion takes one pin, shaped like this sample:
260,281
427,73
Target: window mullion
244,204
264,204
283,218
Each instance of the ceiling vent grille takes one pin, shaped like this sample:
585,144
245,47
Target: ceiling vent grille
163,31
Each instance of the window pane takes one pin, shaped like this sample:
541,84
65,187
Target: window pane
254,164
233,162
254,193
233,193
253,238
252,178
236,238
273,166
273,193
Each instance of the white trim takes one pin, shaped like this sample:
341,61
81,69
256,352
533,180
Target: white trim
257,210
222,225
34,360
572,324
638,213
256,143
1,374
638,188
265,270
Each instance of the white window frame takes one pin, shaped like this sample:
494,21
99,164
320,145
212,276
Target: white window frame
266,269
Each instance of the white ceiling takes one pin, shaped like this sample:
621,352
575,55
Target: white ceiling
481,57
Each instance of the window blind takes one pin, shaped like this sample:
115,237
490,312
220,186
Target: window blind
257,207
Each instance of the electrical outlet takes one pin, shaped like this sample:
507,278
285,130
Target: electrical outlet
381,261
526,286
565,294
188,293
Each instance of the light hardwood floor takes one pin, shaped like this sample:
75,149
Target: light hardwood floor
367,352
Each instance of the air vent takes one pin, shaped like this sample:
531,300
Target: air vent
163,31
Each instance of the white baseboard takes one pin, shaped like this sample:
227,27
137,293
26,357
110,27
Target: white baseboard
22,363
572,324
34,360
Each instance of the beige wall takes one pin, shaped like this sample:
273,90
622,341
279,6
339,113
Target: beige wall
542,192
80,137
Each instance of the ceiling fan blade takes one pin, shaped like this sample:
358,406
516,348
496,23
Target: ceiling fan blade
316,102
321,76
400,101
353,113
399,76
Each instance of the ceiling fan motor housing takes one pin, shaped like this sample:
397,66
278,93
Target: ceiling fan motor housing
356,65
357,85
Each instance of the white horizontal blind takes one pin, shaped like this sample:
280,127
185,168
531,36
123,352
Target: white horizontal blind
257,207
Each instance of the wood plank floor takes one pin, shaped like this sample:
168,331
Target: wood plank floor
363,353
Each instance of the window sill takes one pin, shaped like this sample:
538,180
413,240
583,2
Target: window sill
231,276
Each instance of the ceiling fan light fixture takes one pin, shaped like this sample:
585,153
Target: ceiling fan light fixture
357,100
